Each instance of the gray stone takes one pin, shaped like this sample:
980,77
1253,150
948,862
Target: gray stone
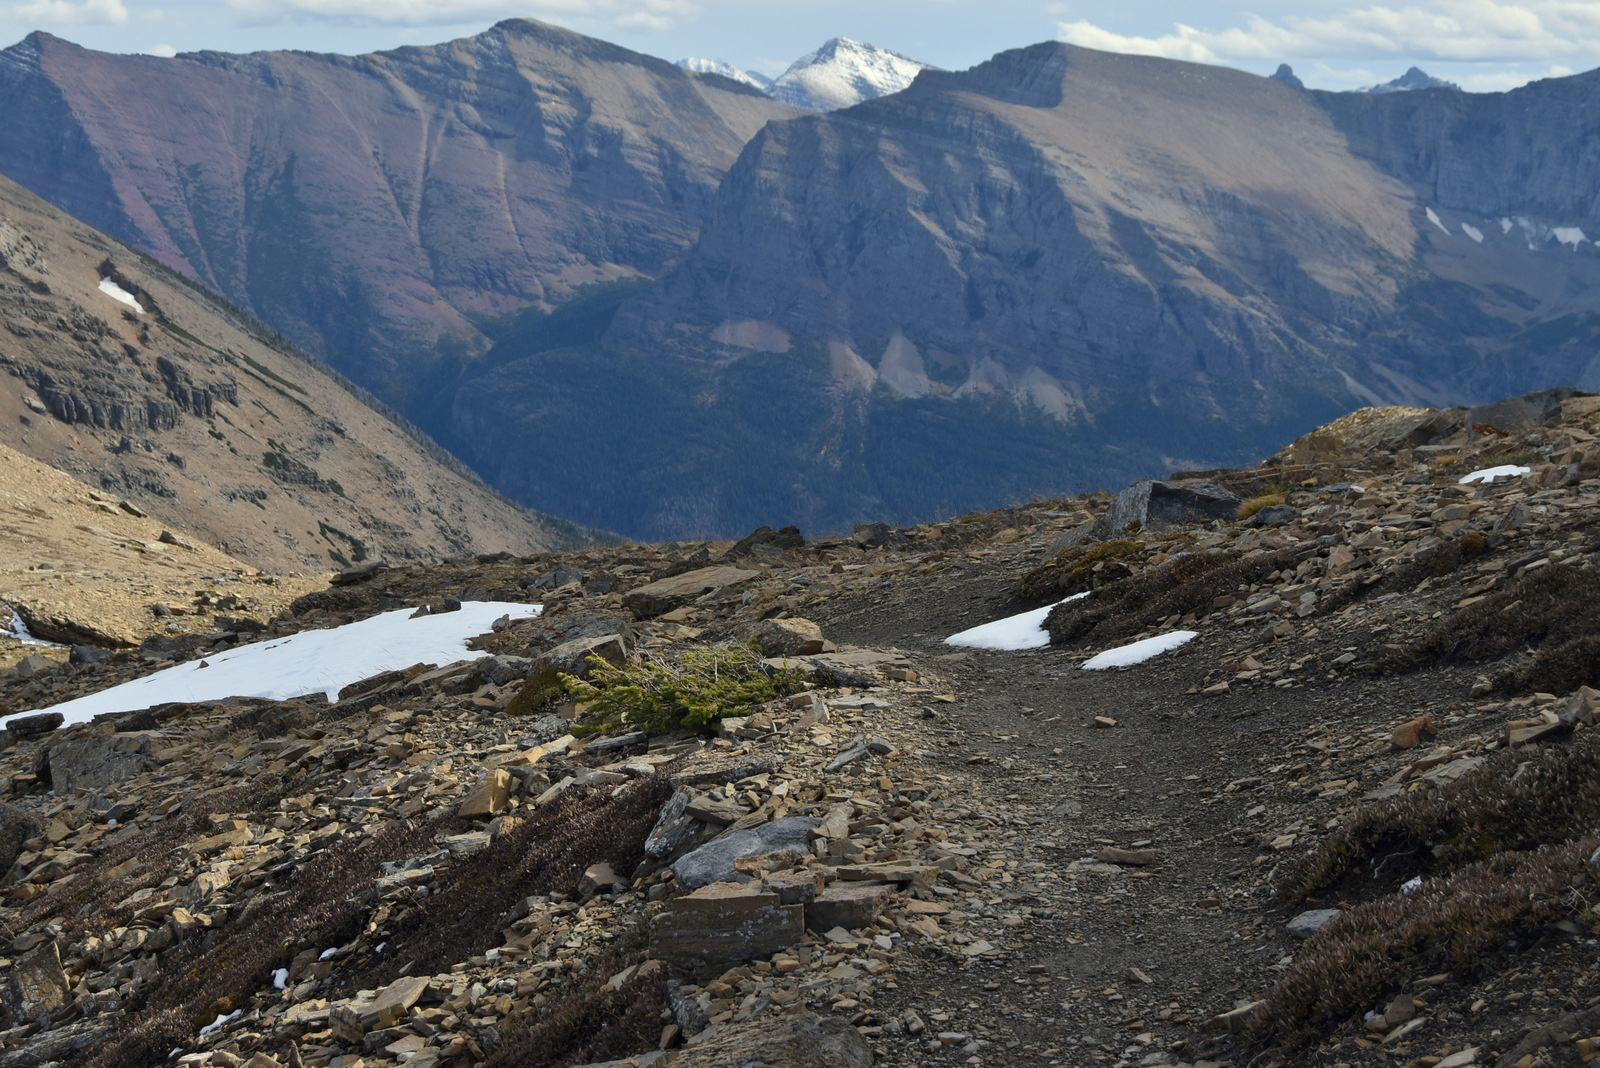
1542,408
572,657
1157,505
37,983
599,879
674,829
32,666
724,923
500,670
656,598
713,862
91,761
39,723
856,750
1309,923
16,827
542,730
789,1041
1275,515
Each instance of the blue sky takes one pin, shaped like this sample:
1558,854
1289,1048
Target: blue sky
1484,45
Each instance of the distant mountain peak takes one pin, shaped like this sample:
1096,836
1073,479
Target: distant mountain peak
843,73
1286,75
751,78
1415,78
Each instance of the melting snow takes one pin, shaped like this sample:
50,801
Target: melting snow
1139,652
313,661
1472,232
1506,225
1489,474
216,1025
1433,217
1022,631
116,292
280,978
1569,235
19,632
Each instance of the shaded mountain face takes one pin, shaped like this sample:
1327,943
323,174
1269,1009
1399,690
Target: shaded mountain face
118,372
375,208
1415,78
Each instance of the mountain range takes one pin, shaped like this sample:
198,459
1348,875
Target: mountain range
840,74
662,302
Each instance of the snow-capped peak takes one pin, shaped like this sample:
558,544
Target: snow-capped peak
843,73
727,70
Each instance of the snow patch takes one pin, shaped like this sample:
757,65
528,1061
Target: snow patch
1569,235
1433,217
313,661
280,978
1506,225
1139,652
221,1021
727,70
19,632
1489,474
1012,634
1472,232
116,292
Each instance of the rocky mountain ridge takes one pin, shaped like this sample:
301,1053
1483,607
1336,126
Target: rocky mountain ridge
376,209
922,851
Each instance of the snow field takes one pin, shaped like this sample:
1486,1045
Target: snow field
312,661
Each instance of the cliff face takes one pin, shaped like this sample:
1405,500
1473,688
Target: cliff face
370,206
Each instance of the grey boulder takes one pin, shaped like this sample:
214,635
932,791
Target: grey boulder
713,862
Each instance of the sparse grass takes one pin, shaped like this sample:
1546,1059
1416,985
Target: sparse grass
1074,570
1186,585
1255,504
1517,801
1459,923
1554,611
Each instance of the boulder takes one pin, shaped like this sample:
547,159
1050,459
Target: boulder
789,637
16,827
38,723
599,879
713,862
32,666
722,924
791,1041
664,595
674,829
1275,515
1158,505
37,984
851,905
767,538
91,761
490,797
1309,923
572,657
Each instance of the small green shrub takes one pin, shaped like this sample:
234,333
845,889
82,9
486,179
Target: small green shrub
701,687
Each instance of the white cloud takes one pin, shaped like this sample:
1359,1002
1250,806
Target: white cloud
1458,31
73,12
626,14
165,51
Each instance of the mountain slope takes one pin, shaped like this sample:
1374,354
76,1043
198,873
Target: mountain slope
376,208
134,382
843,73
1126,263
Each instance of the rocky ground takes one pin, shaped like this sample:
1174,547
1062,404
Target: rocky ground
1349,823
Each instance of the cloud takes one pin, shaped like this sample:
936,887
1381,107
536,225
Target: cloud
627,14
1456,31
74,12
165,51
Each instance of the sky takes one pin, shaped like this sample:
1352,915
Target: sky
1481,45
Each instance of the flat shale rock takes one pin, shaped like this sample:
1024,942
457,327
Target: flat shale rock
800,1041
